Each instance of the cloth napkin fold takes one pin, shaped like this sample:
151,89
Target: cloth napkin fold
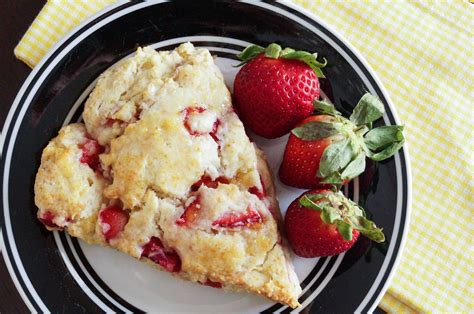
423,53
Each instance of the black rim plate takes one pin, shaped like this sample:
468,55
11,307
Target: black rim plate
32,256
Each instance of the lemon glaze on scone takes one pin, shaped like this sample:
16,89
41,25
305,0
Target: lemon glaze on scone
166,174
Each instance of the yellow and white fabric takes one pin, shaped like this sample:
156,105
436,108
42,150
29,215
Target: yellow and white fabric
423,53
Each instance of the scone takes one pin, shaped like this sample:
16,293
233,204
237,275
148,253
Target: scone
162,170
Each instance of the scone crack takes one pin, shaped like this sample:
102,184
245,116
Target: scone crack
265,259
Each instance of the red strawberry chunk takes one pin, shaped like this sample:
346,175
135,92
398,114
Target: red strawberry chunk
191,111
138,114
187,113
207,181
256,191
238,219
112,221
191,213
90,153
110,122
155,251
213,133
47,219
211,283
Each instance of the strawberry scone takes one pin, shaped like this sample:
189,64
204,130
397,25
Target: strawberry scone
162,170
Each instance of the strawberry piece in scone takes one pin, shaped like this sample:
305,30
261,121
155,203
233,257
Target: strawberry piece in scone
209,182
47,218
258,191
212,284
199,121
155,251
191,211
91,150
239,219
112,221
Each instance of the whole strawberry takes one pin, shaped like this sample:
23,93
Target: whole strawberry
324,222
275,88
330,149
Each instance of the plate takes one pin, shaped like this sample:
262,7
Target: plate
54,272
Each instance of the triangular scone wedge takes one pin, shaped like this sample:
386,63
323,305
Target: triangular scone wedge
175,182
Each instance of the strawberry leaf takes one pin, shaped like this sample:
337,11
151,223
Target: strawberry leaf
368,109
335,157
387,152
330,215
367,228
273,51
337,209
323,107
354,168
286,51
325,217
305,201
309,59
309,201
303,55
334,178
383,142
249,53
315,130
319,72
361,130
345,230
381,137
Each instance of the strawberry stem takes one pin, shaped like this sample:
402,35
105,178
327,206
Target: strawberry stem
344,159
337,209
361,130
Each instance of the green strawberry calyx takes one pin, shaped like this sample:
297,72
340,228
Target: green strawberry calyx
275,51
336,209
352,140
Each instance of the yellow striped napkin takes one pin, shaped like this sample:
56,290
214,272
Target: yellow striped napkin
423,53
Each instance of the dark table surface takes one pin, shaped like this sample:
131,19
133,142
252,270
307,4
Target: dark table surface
15,17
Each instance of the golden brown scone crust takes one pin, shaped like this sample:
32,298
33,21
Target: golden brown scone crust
165,120
68,189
